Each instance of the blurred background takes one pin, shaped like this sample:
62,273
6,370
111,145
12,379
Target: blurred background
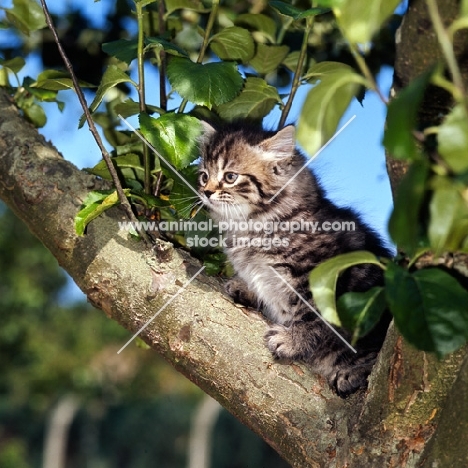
66,398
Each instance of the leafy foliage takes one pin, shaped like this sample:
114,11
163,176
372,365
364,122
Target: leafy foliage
227,64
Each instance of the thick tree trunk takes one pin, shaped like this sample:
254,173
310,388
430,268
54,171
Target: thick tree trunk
214,343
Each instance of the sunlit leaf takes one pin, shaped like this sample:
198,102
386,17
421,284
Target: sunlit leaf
55,80
233,44
26,15
268,57
128,165
326,103
261,24
429,308
111,78
208,84
14,64
35,114
448,219
175,137
95,203
323,279
361,19
453,139
173,5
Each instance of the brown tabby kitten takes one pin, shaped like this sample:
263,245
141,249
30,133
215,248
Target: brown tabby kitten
241,169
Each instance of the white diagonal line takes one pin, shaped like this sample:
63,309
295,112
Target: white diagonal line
312,158
158,154
313,310
161,309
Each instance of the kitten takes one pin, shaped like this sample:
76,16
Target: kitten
249,178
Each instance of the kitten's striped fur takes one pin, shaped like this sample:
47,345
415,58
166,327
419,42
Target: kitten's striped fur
241,169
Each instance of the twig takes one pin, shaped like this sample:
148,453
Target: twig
162,55
206,40
92,127
297,73
366,72
141,91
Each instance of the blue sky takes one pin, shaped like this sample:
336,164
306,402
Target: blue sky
352,168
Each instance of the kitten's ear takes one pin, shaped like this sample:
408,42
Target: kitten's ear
283,144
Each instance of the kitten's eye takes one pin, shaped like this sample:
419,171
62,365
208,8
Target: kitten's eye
203,178
230,177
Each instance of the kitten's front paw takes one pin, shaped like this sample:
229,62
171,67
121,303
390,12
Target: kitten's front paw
348,381
240,293
280,342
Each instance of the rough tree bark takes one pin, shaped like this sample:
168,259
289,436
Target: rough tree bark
414,413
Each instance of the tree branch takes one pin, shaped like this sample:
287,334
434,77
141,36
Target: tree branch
211,341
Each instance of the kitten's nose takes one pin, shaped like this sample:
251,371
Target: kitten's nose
208,193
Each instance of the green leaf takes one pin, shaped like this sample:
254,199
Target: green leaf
15,64
296,13
429,308
208,84
448,219
111,78
323,279
174,136
453,139
263,26
405,225
123,49
361,19
95,203
326,103
401,118
35,114
169,47
173,5
233,44
360,312
255,101
128,165
130,107
268,57
55,80
26,15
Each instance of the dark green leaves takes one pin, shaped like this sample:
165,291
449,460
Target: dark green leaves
401,118
326,103
208,84
360,312
174,136
429,308
405,222
323,280
122,49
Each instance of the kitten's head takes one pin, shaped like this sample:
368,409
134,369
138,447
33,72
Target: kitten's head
242,168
